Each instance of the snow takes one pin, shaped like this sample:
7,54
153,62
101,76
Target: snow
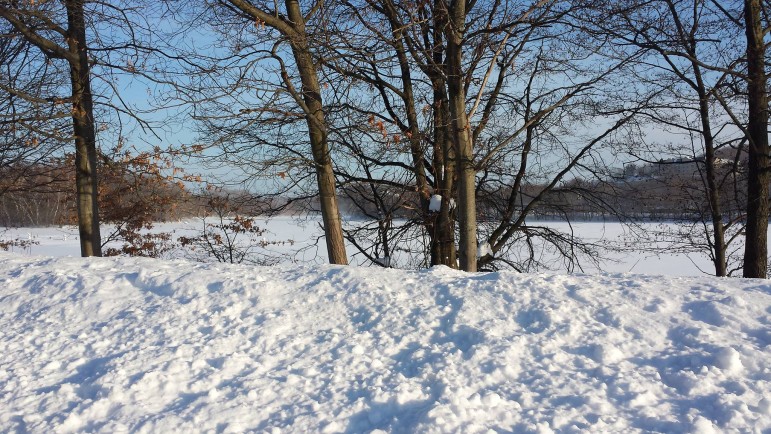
307,245
141,345
484,249
435,204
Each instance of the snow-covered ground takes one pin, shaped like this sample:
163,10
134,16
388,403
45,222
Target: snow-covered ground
138,345
307,244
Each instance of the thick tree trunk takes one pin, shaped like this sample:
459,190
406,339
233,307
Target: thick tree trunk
756,250
461,132
85,134
325,177
317,129
292,26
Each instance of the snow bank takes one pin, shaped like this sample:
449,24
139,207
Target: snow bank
133,345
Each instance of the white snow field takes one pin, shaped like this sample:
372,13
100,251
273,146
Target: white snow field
307,245
120,345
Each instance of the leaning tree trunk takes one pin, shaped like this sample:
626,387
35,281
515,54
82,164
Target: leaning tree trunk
438,225
85,133
461,132
325,177
317,129
756,250
292,26
415,136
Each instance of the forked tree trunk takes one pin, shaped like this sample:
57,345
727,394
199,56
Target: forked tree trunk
438,225
85,133
756,249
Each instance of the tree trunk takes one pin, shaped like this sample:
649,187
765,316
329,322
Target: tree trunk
317,130
461,135
415,138
443,251
756,250
325,177
713,193
85,133
292,26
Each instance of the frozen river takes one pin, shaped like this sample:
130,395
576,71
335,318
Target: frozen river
622,252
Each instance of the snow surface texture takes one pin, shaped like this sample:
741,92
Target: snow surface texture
137,345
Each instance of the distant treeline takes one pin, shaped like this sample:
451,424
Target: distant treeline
664,190
42,195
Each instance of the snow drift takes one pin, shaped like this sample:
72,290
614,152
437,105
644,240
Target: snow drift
137,345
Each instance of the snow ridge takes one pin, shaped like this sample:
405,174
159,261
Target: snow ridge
137,345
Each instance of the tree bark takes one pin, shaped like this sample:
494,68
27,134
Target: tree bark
325,177
317,130
292,26
415,135
713,193
756,249
76,56
443,250
85,132
461,135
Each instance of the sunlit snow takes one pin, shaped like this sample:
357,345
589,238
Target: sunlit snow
139,345
307,245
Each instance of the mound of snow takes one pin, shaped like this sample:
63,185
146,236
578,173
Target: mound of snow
124,345
435,204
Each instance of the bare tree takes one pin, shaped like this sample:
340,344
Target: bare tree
33,130
65,62
66,41
455,34
397,53
291,24
686,57
384,56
